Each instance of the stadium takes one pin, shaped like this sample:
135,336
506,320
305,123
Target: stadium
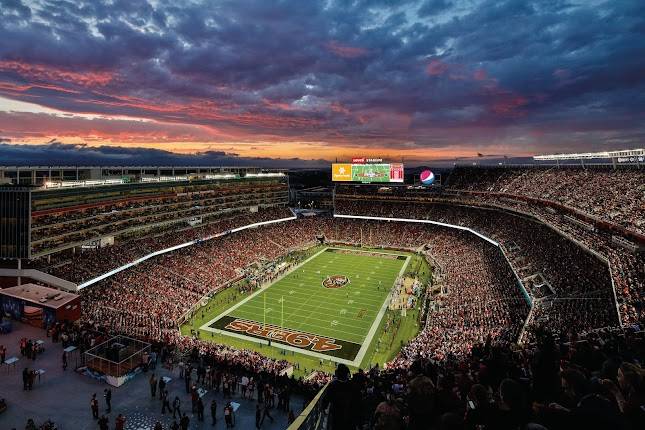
222,264
322,215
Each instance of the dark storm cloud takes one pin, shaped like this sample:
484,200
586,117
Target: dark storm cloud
364,72
57,153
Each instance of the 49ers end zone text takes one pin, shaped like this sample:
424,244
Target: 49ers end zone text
293,338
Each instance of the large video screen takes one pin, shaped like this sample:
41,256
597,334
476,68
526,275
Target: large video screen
367,173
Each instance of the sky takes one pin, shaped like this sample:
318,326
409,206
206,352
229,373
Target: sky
300,82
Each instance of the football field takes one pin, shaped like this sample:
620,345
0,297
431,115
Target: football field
330,306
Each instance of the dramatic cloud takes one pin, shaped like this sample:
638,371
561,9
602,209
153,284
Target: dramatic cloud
420,78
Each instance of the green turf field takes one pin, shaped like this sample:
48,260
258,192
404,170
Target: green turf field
329,307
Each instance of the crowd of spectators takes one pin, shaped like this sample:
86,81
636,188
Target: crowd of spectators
148,299
614,195
480,298
89,263
464,370
590,382
84,221
627,270
579,279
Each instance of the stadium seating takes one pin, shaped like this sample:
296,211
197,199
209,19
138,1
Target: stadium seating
486,336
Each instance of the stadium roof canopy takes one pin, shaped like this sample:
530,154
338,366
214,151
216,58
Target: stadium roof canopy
592,155
108,175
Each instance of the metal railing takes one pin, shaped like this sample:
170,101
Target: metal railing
313,417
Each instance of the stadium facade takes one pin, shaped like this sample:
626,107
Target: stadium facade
49,210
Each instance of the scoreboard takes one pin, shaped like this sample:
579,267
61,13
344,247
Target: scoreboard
367,171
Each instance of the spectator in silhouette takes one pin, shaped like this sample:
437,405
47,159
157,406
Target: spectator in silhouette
341,397
420,396
108,400
104,423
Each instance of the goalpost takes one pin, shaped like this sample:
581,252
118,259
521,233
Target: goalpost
264,311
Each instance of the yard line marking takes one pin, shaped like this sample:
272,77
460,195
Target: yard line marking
323,312
308,307
243,314
372,298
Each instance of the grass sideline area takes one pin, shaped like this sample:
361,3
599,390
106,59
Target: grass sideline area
332,312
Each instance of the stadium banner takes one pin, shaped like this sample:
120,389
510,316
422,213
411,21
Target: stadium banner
363,160
365,171
369,173
396,172
92,244
341,172
287,336
107,241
